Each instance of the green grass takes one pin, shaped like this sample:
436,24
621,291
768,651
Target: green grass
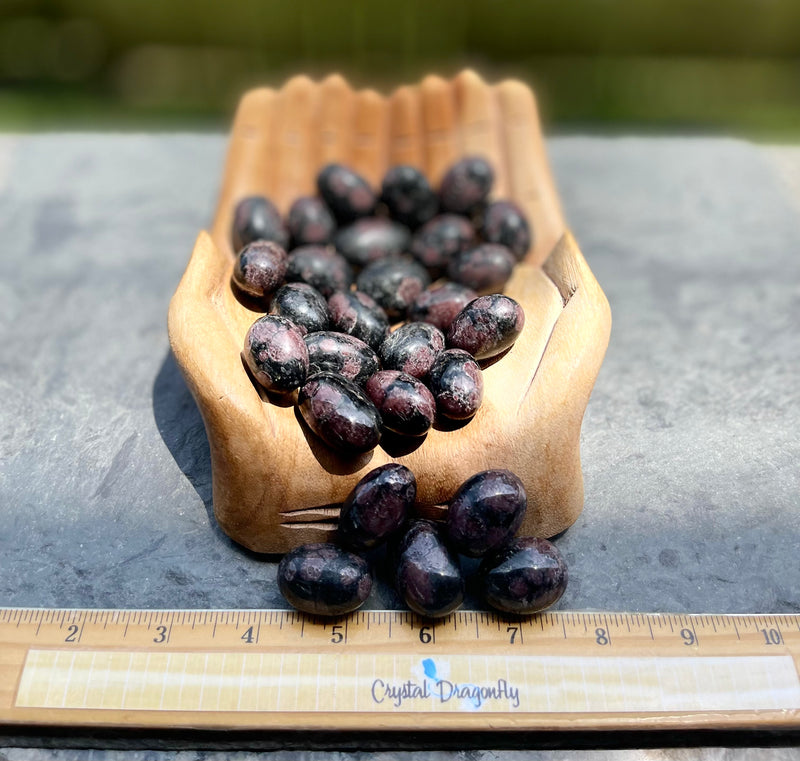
753,98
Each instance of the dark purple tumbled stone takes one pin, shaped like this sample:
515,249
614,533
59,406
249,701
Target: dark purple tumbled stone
505,223
321,267
303,305
394,283
408,196
276,354
439,304
428,575
323,579
310,222
359,315
406,405
484,268
486,512
377,507
347,194
466,185
525,576
257,218
340,413
260,268
439,240
339,353
456,382
412,348
371,239
486,326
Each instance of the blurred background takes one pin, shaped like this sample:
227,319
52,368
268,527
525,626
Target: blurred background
721,66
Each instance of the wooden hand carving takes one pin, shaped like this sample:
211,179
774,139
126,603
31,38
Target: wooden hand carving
274,484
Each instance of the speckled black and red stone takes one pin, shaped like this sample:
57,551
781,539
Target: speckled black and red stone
408,196
340,413
323,579
310,222
487,326
440,240
456,382
347,194
377,507
257,218
486,512
484,268
260,268
412,348
276,354
321,267
505,223
428,575
394,283
371,239
303,305
359,315
440,303
404,402
526,576
466,185
339,353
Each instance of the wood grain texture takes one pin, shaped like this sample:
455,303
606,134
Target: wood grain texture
275,485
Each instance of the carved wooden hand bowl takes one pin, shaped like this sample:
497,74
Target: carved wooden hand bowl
274,484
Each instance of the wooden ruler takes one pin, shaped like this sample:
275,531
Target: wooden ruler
393,670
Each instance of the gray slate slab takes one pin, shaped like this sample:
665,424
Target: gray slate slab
690,444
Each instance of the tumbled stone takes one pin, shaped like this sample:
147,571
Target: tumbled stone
524,577
484,268
394,283
340,413
347,194
456,382
486,512
257,218
412,348
440,303
260,268
466,185
321,267
310,222
428,575
439,240
404,402
505,223
303,305
359,315
276,354
377,507
487,326
408,196
323,579
371,239
339,353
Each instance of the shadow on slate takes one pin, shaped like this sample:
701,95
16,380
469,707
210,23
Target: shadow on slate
182,429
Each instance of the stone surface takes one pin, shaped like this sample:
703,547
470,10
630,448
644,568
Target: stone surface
689,444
